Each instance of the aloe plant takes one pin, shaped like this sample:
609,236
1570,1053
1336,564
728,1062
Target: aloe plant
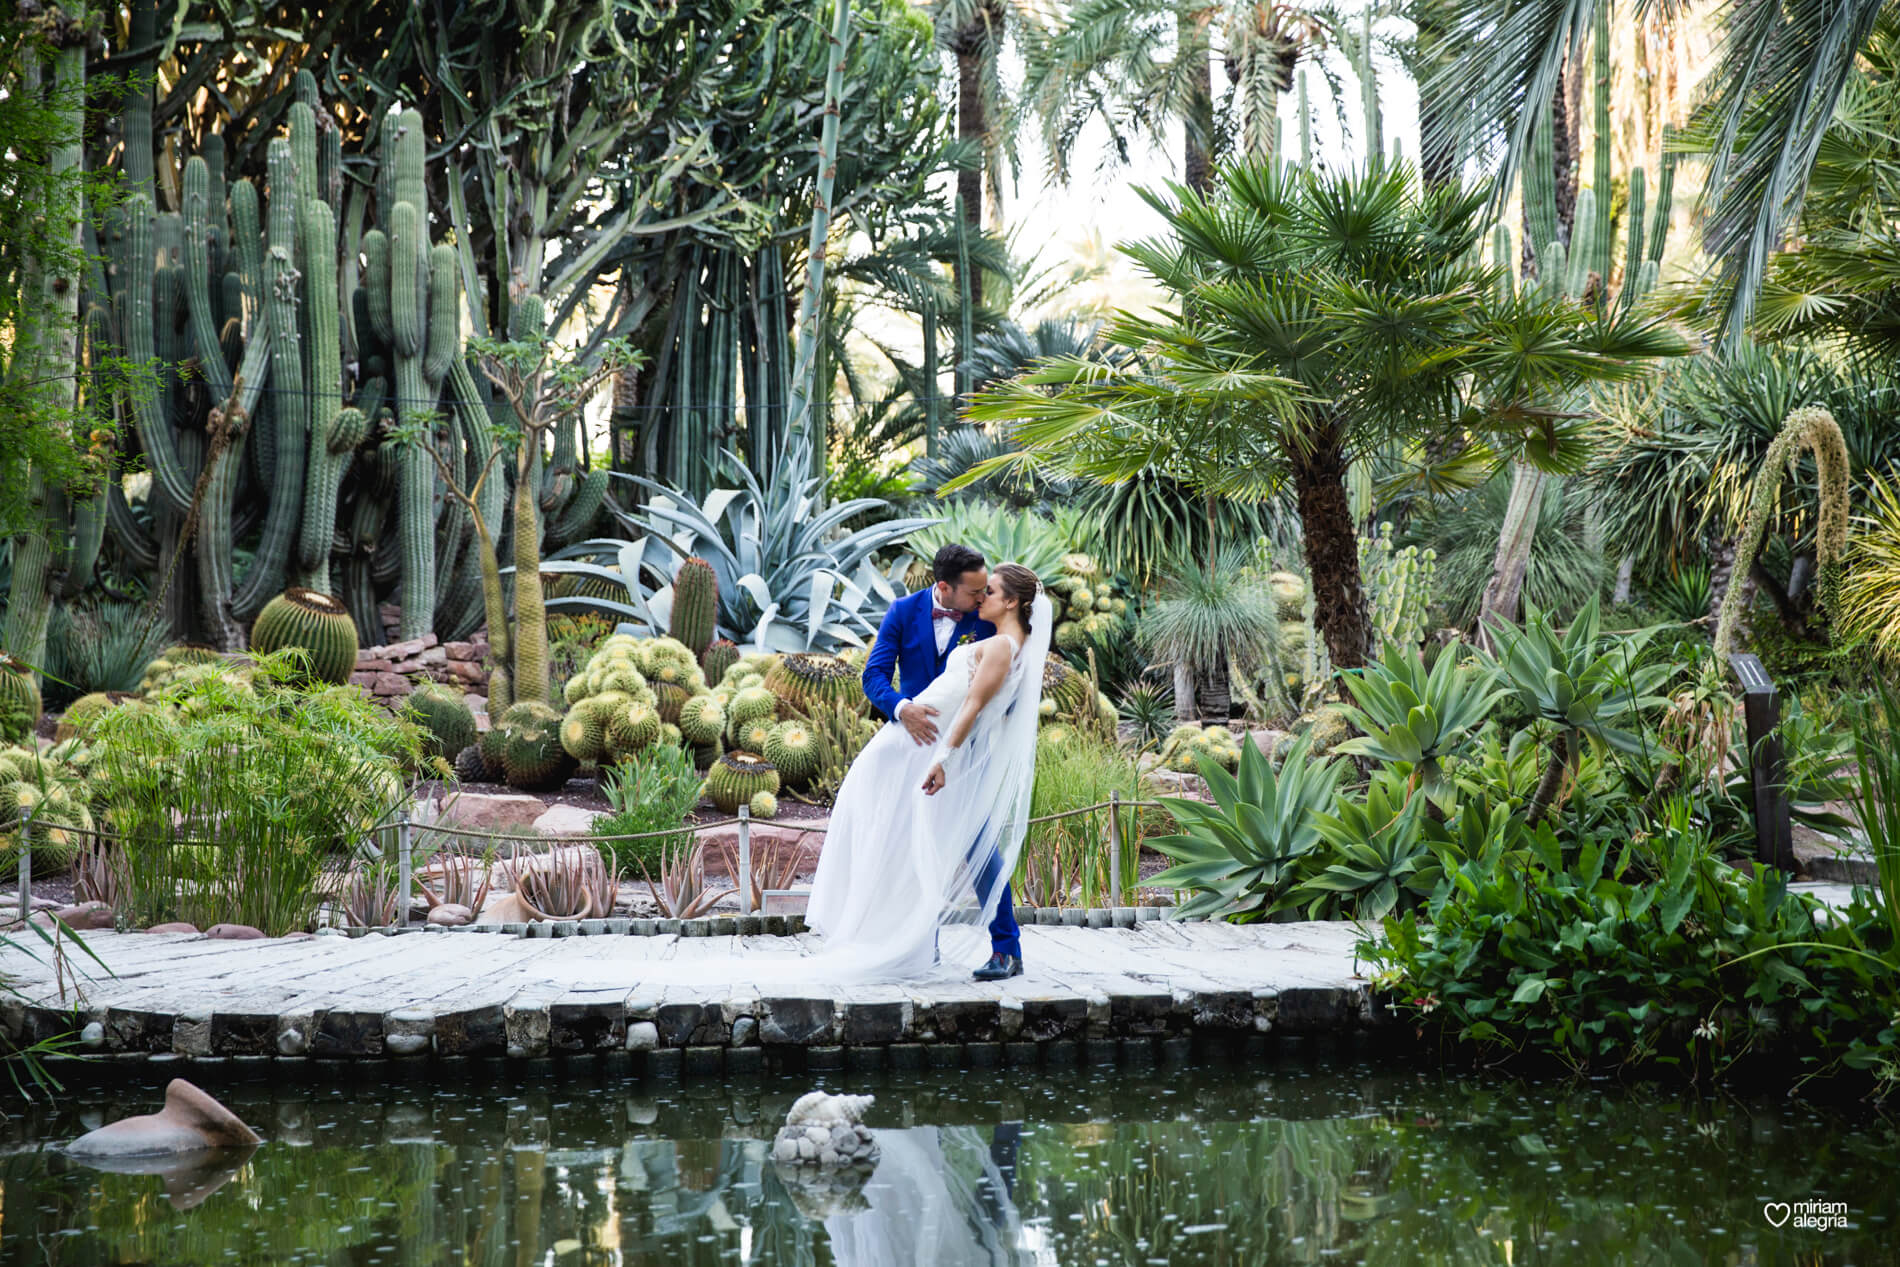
787,580
1580,682
1415,718
1239,854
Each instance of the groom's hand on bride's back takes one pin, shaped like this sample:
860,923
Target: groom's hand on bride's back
920,720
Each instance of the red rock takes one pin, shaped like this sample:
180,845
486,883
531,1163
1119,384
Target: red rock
178,926
412,665
434,655
459,650
429,640
374,664
365,680
391,684
403,650
451,915
466,671
190,1122
86,916
235,932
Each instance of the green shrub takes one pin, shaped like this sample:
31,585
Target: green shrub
651,790
285,780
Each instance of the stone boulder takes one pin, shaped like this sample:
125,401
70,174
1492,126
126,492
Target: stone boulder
826,1131
507,812
566,820
451,915
83,917
234,932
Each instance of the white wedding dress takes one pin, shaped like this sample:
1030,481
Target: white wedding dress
895,860
897,865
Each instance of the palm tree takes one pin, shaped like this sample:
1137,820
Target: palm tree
1322,316
1142,66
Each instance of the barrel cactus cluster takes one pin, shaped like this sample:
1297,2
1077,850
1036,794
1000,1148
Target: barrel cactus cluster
1068,698
19,700
48,792
739,778
1089,609
315,624
1186,744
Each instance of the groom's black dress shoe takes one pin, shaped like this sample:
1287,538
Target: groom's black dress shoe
999,968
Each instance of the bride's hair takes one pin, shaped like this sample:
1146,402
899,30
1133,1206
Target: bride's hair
1019,583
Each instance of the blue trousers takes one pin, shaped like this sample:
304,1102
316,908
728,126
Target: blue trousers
1005,938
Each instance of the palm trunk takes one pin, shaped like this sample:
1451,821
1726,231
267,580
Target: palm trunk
1332,550
972,127
801,415
1197,160
1503,594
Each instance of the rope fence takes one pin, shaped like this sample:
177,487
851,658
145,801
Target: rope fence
406,828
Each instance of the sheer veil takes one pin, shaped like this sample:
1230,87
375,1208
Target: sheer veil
996,780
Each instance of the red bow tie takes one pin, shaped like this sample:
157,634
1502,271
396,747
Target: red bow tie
941,613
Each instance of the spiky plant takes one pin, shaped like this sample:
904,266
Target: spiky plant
319,625
805,679
447,724
1870,581
1210,617
737,777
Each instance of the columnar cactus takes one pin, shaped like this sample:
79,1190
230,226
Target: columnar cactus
695,604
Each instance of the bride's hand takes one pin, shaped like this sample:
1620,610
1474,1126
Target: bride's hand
933,782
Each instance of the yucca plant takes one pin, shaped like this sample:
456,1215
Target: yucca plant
788,581
1415,717
1238,855
1149,708
1684,594
1208,618
1580,682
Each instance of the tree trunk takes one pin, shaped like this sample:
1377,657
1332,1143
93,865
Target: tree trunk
1197,128
972,127
1332,551
1503,594
1184,702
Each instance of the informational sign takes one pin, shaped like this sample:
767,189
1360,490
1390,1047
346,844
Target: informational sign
1761,711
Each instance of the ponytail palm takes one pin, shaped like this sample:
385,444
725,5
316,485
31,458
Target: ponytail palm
1323,317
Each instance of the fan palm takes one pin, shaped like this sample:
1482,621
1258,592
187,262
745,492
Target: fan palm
1206,618
1323,316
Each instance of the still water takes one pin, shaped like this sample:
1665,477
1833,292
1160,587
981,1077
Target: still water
1295,1162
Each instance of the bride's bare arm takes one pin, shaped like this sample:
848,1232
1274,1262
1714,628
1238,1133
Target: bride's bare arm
988,676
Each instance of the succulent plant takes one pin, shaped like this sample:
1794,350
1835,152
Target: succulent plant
319,625
702,720
791,747
763,805
19,700
532,757
472,767
447,724
84,711
695,604
583,733
805,679
716,659
754,703
669,698
737,777
632,727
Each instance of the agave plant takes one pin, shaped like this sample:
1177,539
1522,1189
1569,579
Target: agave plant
682,892
464,880
789,580
1239,854
1382,856
567,882
1409,716
1578,681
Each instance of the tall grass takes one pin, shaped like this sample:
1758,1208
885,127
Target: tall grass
235,800
1066,862
1879,800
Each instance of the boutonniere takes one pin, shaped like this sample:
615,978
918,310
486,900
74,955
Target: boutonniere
966,640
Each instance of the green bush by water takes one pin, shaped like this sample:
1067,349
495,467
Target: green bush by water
1066,862
282,781
651,790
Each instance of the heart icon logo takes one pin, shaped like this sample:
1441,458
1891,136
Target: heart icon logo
1776,1212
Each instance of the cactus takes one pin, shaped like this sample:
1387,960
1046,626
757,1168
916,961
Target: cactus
791,748
752,704
715,660
78,719
532,757
318,624
447,724
330,442
695,605
631,727
737,777
583,733
1069,691
472,767
702,721
19,700
763,805
669,698
807,680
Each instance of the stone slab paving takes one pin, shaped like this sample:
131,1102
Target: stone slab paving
1087,993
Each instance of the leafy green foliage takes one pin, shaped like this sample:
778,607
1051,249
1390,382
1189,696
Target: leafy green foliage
1003,535
1563,570
1578,680
99,647
1415,717
283,781
652,790
1382,857
1240,854
1066,861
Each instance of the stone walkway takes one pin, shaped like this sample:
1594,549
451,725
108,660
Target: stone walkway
456,994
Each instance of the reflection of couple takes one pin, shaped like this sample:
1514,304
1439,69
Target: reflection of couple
933,811
939,1196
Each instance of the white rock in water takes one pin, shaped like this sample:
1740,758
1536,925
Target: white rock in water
785,1150
828,1110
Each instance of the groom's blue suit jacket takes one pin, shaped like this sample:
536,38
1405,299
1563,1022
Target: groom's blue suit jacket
907,642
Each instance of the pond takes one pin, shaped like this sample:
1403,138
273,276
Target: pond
1219,1163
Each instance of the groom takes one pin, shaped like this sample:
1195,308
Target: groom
916,637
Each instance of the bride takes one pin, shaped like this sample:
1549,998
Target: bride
921,837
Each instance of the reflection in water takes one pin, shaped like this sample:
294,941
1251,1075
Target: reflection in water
188,1177
1219,1165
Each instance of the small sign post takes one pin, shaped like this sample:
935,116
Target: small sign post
1761,711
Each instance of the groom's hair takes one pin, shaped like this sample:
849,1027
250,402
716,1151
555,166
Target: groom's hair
953,561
